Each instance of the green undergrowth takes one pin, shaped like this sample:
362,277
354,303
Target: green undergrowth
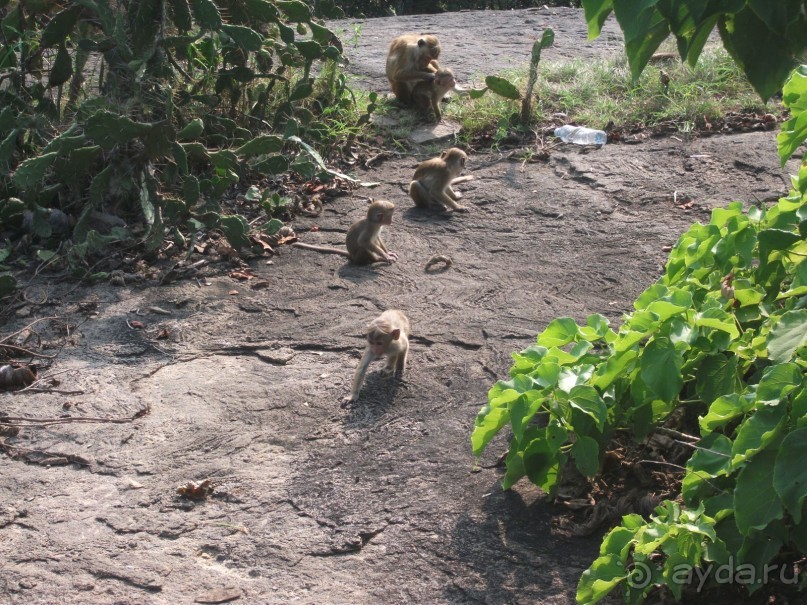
600,92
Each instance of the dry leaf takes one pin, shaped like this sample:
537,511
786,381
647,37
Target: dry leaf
218,595
260,285
137,325
12,377
196,491
242,274
233,292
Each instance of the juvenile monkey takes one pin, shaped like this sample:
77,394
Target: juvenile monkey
411,59
387,335
363,239
433,179
427,95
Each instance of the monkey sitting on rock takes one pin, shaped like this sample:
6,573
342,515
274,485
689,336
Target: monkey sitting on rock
433,179
363,239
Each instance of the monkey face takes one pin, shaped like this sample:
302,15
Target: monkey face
378,344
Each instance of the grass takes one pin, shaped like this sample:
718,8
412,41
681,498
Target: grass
598,92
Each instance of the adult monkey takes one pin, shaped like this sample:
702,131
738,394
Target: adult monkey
411,59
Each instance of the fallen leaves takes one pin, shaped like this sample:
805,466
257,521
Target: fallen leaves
196,491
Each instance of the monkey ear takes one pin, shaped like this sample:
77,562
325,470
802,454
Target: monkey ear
396,333
443,154
421,42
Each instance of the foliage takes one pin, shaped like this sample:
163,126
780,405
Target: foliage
178,104
778,29
546,41
724,334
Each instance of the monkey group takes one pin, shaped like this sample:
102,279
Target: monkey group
416,79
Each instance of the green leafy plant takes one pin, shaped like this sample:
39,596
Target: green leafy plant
722,334
546,41
180,114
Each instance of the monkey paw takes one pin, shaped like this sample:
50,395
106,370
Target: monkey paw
462,209
387,371
392,257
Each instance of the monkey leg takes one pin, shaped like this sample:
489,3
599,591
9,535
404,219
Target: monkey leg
419,194
444,198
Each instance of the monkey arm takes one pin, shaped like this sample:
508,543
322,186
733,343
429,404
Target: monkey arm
358,377
445,198
414,75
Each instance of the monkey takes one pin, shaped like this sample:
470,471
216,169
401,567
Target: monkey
411,58
427,95
387,335
363,239
433,180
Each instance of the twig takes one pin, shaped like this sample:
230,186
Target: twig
18,332
673,433
33,422
22,351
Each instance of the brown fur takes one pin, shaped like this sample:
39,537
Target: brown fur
363,239
411,59
387,336
427,95
433,180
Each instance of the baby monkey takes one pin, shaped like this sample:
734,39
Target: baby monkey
427,95
387,335
433,179
363,239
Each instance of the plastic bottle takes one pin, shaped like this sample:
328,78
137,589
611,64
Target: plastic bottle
581,135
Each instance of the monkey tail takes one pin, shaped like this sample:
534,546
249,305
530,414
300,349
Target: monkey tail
325,249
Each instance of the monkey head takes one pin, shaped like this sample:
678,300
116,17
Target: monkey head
429,50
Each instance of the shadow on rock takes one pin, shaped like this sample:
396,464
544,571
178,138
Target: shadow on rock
512,553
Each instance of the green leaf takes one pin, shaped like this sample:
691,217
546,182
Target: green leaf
235,229
261,10
725,409
586,455
717,375
502,87
559,332
246,38
605,574
206,14
644,29
777,381
7,285
771,240
32,171
62,67
756,503
758,431
489,421
790,472
276,164
794,130
108,129
586,399
7,147
192,130
661,369
181,14
596,12
60,26
788,335
260,145
711,459
744,34
295,10
310,50
303,90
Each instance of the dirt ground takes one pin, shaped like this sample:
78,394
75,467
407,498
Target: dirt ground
378,502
